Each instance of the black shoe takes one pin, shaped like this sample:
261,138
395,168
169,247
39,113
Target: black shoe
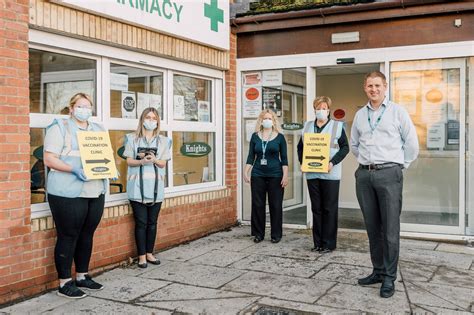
373,278
316,249
325,250
276,240
144,265
257,239
88,283
154,262
387,289
70,291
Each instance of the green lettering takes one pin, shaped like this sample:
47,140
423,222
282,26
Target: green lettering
168,16
178,10
121,1
155,7
131,3
143,4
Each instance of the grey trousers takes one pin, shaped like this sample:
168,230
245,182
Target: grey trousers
379,193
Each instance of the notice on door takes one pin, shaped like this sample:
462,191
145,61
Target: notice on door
97,155
316,152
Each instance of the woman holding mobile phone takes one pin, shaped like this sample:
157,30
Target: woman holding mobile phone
147,153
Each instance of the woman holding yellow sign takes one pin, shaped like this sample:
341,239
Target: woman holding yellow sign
269,163
147,153
76,203
323,186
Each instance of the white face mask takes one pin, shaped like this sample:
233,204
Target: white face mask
322,114
82,113
267,123
150,124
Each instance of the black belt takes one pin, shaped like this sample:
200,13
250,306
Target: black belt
376,167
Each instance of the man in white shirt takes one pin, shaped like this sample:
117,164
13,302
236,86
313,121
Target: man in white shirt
384,140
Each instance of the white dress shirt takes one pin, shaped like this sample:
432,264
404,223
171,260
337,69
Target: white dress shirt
389,136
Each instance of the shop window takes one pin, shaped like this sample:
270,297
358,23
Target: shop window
54,78
193,158
37,167
191,99
134,89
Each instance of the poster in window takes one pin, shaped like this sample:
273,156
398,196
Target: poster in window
204,111
453,132
155,101
272,100
435,136
252,79
250,128
272,78
129,107
252,102
179,107
434,97
190,106
143,101
118,82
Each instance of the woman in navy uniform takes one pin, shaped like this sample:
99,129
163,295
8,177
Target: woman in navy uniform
324,187
268,161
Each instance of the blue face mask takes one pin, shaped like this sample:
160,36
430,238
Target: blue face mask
150,124
322,114
267,123
82,113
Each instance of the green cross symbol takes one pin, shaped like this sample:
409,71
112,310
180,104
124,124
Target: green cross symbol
215,14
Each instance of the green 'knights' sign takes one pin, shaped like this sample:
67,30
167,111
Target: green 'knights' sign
195,149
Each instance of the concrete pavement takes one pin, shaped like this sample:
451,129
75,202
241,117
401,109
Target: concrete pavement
226,273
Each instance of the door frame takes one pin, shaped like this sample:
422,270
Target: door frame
384,56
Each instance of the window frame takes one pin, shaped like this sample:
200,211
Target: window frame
84,49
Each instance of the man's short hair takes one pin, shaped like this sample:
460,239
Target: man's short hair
375,74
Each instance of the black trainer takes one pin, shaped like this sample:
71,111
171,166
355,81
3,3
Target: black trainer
70,291
88,283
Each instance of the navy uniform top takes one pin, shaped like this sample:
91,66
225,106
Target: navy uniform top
275,154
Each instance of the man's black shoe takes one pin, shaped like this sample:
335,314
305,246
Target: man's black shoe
70,291
373,278
325,251
316,249
257,239
88,283
387,289
276,240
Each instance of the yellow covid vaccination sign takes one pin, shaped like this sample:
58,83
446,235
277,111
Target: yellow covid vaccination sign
97,155
316,152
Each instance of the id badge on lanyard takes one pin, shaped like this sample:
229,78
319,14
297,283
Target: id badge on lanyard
263,160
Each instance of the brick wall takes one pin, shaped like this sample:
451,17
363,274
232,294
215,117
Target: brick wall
27,246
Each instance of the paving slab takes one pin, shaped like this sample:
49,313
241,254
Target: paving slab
348,258
444,296
454,277
126,288
280,265
281,287
436,258
186,252
283,249
364,299
415,271
296,307
417,244
235,244
36,305
197,300
428,310
193,274
91,305
455,248
343,273
218,257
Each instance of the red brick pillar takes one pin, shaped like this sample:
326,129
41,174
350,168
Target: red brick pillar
15,227
231,136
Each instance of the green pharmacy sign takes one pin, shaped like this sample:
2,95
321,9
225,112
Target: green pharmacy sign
195,149
292,126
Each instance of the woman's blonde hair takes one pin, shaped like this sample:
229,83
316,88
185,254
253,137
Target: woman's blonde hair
74,100
276,126
322,99
140,129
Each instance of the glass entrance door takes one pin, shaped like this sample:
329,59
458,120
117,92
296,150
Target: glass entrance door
433,93
282,91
